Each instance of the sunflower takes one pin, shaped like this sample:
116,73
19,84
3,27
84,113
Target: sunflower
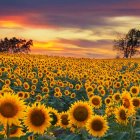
33,87
111,91
73,95
66,92
108,101
37,118
97,126
45,89
127,102
89,89
34,81
38,98
90,94
6,89
100,87
56,94
109,111
136,102
96,101
121,115
26,85
40,75
20,94
93,85
117,85
46,96
79,113
7,81
15,130
64,120
117,97
11,108
57,89
32,92
54,115
134,90
19,82
71,85
77,86
102,92
26,95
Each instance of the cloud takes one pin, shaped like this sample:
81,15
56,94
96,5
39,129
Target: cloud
68,13
83,28
84,43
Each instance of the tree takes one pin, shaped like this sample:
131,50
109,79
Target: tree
129,44
15,45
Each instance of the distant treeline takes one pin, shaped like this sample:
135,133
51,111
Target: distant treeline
15,45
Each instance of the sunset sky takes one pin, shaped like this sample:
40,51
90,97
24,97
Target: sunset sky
77,28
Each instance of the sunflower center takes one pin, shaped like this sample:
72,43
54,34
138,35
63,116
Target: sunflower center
45,90
123,115
89,89
64,119
95,101
136,102
126,103
134,90
37,118
97,125
25,95
8,110
20,95
107,101
118,84
117,97
80,113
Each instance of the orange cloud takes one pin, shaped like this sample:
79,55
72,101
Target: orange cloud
50,45
9,24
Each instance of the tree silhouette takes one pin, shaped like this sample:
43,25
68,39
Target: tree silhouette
15,45
129,44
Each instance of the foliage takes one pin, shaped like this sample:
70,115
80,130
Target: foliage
129,44
15,45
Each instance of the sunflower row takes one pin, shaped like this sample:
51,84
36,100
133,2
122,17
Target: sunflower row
69,93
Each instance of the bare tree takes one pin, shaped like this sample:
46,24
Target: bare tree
129,44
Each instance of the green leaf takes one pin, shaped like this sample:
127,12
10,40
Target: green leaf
72,137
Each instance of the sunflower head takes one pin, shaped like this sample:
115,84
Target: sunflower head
127,102
11,108
79,113
117,97
121,115
134,90
64,120
136,102
37,118
54,115
96,101
97,126
16,130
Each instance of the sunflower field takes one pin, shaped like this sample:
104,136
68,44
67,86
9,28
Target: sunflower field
57,98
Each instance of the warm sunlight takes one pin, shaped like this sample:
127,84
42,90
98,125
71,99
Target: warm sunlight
9,24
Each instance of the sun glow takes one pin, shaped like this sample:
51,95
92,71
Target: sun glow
9,24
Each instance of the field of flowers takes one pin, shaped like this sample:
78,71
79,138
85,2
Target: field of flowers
58,98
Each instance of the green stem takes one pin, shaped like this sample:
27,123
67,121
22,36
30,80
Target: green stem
7,131
132,131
